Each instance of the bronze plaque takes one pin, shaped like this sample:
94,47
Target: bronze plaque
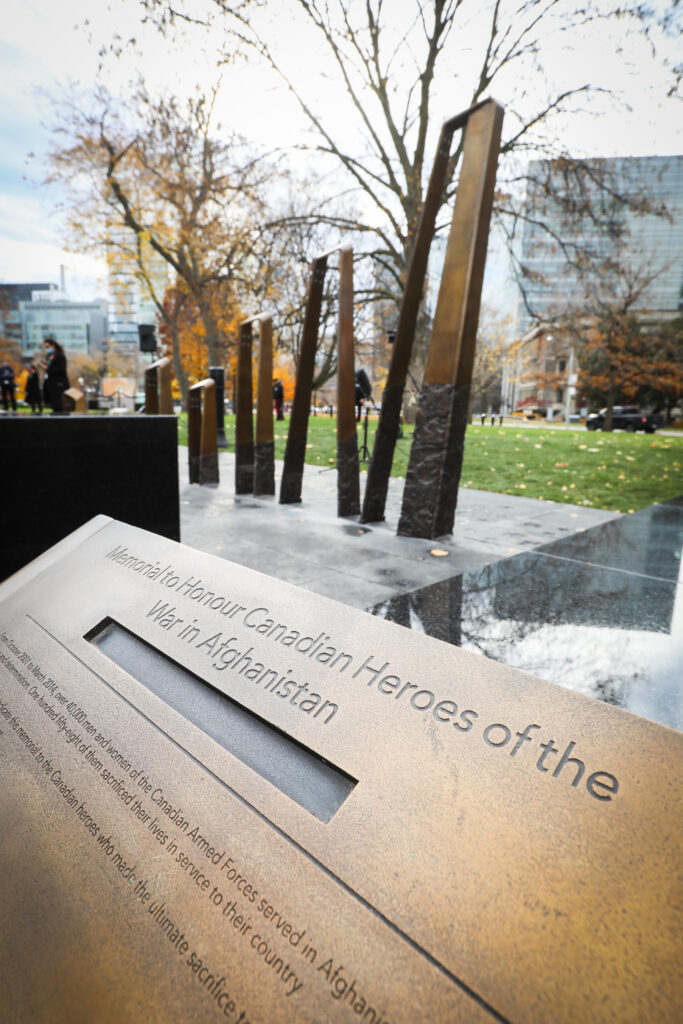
225,798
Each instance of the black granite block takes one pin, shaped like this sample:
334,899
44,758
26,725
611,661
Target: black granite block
649,542
264,467
61,471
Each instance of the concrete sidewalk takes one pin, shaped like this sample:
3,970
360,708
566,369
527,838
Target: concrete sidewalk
309,546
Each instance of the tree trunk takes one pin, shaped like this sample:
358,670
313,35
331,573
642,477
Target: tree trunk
609,413
212,334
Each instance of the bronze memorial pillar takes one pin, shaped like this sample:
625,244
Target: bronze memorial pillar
295,450
255,463
348,481
379,470
158,395
151,391
73,400
431,488
264,450
244,419
201,433
217,375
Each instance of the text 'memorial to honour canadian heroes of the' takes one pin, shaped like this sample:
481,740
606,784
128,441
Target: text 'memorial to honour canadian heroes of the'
225,798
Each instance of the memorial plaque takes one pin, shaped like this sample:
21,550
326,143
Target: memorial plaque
225,798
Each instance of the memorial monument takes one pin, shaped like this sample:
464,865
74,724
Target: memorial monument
226,798
434,470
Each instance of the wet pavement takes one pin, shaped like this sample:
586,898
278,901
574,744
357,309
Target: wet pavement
362,565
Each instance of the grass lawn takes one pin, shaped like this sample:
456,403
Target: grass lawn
622,472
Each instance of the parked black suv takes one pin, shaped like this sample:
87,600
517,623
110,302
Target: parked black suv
626,417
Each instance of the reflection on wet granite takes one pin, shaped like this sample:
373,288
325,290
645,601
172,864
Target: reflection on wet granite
543,589
600,612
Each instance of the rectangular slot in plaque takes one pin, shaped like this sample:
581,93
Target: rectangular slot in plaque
303,775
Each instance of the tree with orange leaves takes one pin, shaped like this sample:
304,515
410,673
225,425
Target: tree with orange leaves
158,177
622,357
286,373
10,352
619,360
185,325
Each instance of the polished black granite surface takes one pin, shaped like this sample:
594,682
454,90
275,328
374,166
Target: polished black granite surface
71,468
600,612
648,542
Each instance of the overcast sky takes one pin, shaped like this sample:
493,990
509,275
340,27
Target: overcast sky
46,43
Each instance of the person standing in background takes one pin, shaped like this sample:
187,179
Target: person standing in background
363,391
7,384
278,398
55,382
32,392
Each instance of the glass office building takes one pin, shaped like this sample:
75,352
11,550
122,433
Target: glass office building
78,326
603,223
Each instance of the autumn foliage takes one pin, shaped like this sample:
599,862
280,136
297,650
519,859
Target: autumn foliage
620,361
10,352
184,317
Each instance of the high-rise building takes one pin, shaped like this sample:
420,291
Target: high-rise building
11,296
121,291
594,231
33,311
80,327
130,301
602,218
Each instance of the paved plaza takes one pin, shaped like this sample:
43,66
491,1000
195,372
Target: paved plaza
362,565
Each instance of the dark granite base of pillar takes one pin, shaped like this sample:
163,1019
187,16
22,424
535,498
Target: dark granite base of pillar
379,471
348,480
422,495
264,468
448,494
217,374
244,469
208,469
293,472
